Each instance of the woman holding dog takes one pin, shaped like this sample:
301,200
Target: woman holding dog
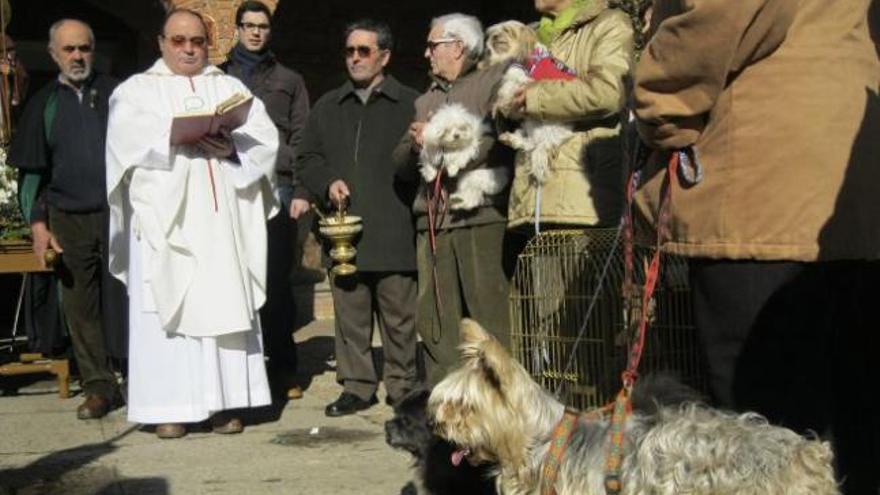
584,183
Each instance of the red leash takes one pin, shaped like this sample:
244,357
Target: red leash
436,198
623,404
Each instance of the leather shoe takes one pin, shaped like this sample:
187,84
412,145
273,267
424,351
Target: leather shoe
348,404
225,424
295,392
170,430
94,407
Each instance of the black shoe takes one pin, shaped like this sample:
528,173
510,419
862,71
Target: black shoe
348,404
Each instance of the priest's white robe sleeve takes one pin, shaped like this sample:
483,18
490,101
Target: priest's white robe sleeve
137,136
256,144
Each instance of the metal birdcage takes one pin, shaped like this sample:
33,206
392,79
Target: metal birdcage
558,277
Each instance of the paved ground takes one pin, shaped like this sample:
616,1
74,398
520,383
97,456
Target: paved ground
289,448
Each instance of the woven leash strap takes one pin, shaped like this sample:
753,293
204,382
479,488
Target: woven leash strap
614,456
623,404
558,444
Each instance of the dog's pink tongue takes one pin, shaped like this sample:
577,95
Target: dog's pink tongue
458,455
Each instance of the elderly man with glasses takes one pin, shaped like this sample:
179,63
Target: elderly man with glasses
465,258
345,159
284,94
188,236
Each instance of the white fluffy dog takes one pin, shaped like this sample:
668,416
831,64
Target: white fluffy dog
514,41
451,141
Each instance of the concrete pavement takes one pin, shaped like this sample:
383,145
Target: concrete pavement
289,448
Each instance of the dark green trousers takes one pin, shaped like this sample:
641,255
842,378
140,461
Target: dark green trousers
473,270
82,266
391,297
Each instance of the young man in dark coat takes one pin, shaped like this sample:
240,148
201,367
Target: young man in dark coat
345,158
283,91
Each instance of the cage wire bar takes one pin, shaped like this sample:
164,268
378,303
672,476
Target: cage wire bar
557,276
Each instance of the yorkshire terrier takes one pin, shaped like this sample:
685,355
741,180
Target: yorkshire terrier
451,141
493,412
436,472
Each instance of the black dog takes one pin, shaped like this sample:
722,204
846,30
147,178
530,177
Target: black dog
410,430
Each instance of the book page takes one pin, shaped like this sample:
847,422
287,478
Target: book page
231,114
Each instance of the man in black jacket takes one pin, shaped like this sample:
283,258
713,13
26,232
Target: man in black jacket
60,141
283,91
345,158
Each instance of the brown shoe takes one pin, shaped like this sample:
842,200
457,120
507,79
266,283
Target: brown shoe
295,392
226,425
170,430
94,407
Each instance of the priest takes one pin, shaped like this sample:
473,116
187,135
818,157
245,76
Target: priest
188,237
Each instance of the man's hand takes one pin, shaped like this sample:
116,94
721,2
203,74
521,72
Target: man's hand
299,207
338,193
43,239
217,146
415,133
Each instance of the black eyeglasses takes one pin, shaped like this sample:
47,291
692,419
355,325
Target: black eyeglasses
361,50
250,26
433,44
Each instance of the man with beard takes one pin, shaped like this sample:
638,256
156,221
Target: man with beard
283,91
60,142
188,236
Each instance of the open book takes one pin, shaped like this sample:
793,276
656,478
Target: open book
230,114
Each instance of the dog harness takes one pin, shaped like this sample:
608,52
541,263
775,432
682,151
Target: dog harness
562,433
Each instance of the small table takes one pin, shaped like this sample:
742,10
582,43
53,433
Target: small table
18,257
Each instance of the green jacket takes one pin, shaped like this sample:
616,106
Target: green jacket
585,184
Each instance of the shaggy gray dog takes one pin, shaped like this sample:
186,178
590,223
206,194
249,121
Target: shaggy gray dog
492,410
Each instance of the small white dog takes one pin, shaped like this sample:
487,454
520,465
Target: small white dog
451,141
514,41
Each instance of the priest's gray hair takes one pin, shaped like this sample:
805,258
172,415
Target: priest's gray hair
53,29
465,28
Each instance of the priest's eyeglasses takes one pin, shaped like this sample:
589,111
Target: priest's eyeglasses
178,41
250,26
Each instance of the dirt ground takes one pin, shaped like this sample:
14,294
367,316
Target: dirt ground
290,447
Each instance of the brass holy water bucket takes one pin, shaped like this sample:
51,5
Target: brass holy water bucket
341,230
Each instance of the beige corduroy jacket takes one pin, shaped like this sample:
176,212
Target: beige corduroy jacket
585,184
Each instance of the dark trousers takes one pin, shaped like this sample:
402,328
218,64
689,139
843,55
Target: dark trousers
392,297
798,342
473,270
276,315
81,271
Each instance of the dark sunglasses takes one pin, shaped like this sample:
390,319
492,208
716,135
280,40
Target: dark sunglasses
361,50
180,40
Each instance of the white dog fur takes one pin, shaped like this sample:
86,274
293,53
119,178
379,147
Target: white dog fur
451,141
540,140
